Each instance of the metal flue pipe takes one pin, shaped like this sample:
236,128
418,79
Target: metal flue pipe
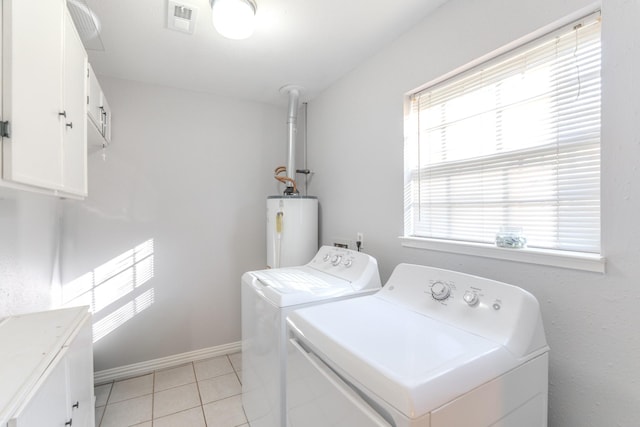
292,125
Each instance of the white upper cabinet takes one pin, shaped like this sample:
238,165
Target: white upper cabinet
32,91
74,165
43,96
98,111
106,119
94,96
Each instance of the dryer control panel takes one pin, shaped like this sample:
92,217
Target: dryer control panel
442,291
495,310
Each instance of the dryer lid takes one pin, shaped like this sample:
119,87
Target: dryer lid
411,361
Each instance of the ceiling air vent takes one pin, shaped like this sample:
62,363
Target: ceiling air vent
181,17
86,23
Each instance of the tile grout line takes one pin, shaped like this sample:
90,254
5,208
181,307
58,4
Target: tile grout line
106,403
235,371
153,396
195,376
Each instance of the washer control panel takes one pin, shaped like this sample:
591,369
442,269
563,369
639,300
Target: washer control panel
337,259
356,267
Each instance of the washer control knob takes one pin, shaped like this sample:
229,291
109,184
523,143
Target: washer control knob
471,298
336,259
440,291
348,263
326,257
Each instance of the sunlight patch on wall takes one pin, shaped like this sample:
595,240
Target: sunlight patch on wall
112,321
113,290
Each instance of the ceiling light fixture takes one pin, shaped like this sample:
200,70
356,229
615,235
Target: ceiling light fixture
234,19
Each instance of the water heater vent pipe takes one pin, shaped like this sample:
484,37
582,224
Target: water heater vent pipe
292,125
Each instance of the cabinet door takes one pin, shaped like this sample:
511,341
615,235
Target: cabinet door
94,98
75,131
48,405
80,376
32,91
106,119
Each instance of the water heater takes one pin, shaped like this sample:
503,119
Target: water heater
292,230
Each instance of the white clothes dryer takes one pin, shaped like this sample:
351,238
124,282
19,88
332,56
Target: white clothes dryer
268,296
433,348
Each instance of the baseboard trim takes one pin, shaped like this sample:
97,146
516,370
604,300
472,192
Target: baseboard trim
141,368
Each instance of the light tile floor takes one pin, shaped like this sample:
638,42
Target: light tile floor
206,393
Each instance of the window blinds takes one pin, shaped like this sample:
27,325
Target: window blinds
512,142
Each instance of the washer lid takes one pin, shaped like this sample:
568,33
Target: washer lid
299,285
411,361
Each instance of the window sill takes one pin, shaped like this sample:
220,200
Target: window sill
564,259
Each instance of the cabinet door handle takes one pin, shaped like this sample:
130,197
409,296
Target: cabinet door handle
70,422
63,114
70,125
5,129
76,405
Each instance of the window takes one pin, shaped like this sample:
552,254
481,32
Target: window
513,142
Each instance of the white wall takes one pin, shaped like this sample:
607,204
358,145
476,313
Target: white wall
356,151
29,241
192,172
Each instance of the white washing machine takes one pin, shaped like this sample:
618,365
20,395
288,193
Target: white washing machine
268,296
433,348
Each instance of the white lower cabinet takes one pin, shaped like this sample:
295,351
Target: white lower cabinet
48,406
79,362
47,370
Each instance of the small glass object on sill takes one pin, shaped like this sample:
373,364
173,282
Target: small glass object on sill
510,237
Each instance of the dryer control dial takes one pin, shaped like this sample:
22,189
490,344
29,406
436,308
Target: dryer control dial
471,298
336,259
348,263
440,291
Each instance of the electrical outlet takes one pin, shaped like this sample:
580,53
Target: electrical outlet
360,237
